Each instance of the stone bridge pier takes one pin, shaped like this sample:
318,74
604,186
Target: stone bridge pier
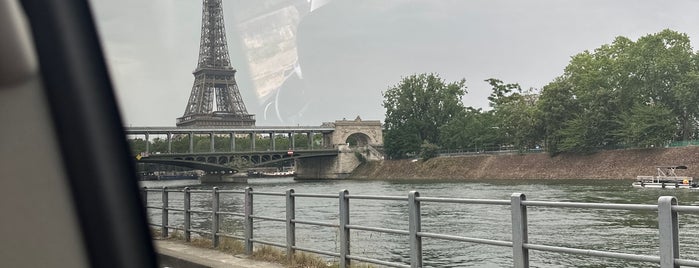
356,141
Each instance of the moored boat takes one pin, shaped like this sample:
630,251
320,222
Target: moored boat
278,174
666,178
269,172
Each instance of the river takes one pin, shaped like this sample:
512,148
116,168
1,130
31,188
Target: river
612,230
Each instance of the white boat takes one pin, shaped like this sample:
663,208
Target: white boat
271,172
278,174
666,178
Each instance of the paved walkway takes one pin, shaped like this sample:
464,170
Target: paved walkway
179,255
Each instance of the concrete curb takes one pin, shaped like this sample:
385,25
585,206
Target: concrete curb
179,255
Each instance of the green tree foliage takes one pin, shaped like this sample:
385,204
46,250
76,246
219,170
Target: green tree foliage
401,142
642,93
514,113
618,94
137,146
474,131
580,135
556,105
416,108
428,150
647,126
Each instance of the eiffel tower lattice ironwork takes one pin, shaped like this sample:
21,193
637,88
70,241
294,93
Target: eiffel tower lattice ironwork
215,100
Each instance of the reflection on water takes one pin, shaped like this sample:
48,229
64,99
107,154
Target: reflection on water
614,230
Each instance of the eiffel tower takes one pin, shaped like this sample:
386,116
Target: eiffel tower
215,100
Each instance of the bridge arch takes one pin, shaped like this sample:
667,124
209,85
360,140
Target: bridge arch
358,139
367,132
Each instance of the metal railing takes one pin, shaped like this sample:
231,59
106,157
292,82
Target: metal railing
495,150
667,207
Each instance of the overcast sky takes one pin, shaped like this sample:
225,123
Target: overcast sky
349,51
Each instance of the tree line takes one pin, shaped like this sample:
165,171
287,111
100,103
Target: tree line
642,93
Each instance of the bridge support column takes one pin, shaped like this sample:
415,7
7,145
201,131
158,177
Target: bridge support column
310,140
292,137
217,178
327,140
328,167
169,143
191,142
211,142
273,141
147,144
252,141
232,141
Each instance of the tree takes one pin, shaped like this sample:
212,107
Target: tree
556,105
401,142
474,131
665,71
428,150
599,87
137,145
581,135
515,114
647,126
606,96
416,108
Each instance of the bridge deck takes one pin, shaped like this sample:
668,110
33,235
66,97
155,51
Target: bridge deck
266,129
202,160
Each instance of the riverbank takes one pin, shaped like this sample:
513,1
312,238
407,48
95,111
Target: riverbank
616,164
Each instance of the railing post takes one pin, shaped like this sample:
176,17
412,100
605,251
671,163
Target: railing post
669,228
290,224
187,215
248,220
520,257
344,231
414,223
214,216
163,230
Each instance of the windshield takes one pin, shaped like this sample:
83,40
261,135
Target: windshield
308,62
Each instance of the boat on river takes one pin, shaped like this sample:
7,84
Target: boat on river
271,172
666,177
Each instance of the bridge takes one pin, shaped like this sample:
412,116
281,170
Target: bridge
253,134
216,164
216,110
326,151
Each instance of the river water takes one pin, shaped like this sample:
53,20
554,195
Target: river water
611,230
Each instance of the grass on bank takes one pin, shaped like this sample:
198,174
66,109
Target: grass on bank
260,253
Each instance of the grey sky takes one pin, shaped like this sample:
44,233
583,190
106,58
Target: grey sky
351,50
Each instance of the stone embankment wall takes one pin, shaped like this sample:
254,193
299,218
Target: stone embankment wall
617,164
334,167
